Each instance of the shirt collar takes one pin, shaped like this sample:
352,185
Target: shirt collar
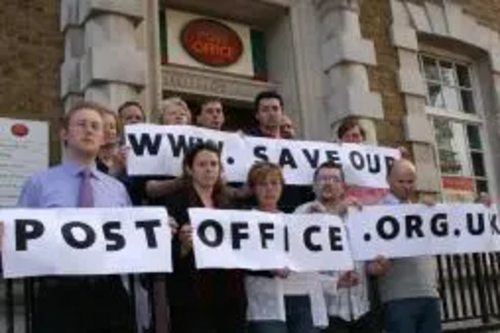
392,198
75,168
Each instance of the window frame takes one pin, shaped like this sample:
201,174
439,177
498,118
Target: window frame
475,119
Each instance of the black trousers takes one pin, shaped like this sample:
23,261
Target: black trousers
218,319
82,305
368,323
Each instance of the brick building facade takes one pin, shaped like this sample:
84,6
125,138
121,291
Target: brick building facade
420,73
329,58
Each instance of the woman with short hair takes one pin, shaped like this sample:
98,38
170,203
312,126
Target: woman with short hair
280,301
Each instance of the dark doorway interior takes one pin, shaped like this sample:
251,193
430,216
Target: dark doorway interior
239,115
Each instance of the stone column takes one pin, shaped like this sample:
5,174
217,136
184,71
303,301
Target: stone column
103,62
345,54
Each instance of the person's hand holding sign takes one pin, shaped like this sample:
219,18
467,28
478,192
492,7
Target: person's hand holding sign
186,239
118,161
378,266
1,236
348,280
316,208
174,226
281,273
346,203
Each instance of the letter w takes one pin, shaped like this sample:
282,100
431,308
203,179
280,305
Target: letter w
145,143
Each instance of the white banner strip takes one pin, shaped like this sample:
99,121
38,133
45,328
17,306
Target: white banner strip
159,150
258,240
418,230
39,242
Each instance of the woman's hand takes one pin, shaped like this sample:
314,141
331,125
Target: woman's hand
174,226
315,208
118,161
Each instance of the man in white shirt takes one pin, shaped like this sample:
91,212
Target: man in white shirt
348,302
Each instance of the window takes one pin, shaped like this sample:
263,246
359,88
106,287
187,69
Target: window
458,127
449,85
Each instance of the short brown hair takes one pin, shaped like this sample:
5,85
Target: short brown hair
348,124
262,170
131,103
208,101
65,120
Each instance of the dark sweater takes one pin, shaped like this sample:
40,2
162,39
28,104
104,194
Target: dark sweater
202,292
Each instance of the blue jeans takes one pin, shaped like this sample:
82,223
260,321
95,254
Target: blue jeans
298,318
412,315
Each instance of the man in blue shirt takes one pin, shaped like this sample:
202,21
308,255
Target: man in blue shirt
86,304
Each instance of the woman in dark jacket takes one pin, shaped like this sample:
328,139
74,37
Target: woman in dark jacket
209,300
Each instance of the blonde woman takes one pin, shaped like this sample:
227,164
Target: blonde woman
174,111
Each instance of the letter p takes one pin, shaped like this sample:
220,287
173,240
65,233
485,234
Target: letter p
27,230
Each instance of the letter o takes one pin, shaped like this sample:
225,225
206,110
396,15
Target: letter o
69,237
217,228
394,225
357,160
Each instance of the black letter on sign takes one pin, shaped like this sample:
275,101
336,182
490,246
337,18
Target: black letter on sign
439,225
286,158
25,230
144,143
479,230
239,231
178,144
313,158
389,161
393,223
335,239
67,232
260,152
373,163
308,238
219,233
287,240
117,240
265,233
494,226
333,156
149,229
357,160
414,226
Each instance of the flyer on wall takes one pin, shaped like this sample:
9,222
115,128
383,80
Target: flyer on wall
24,149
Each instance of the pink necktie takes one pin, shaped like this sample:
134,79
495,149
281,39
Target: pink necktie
86,195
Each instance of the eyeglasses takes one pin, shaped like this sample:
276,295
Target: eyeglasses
329,179
83,125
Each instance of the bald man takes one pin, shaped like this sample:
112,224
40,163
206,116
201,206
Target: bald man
408,286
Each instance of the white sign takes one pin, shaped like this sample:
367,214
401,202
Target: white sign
24,149
418,230
159,150
71,241
258,240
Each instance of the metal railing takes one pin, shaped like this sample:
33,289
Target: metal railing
17,300
469,288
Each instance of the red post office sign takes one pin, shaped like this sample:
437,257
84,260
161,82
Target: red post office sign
211,43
